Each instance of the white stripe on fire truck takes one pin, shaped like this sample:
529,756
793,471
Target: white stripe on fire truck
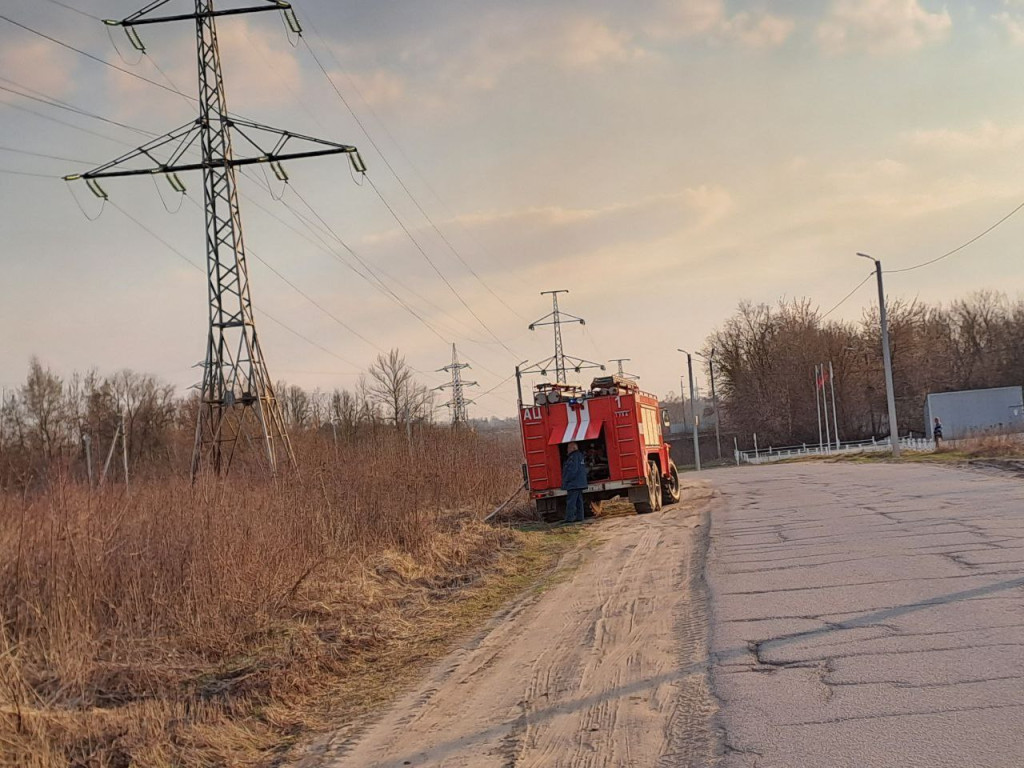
581,431
571,425
578,423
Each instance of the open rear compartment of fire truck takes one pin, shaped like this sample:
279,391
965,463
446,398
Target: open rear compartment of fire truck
616,426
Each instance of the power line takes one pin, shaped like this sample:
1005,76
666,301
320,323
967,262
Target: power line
43,154
973,240
88,55
263,261
172,89
847,296
198,268
501,383
430,261
358,258
28,173
303,294
387,163
130,127
76,10
52,102
376,273
57,120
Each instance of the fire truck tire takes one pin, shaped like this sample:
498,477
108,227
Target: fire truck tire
670,484
653,500
656,484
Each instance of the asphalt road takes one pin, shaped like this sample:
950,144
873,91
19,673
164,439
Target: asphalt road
867,615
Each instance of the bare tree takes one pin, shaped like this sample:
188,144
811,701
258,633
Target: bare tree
391,385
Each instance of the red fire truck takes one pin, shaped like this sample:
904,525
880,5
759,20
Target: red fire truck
617,427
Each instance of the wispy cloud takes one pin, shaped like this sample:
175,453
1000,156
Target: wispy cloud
710,19
881,27
986,135
38,65
1012,20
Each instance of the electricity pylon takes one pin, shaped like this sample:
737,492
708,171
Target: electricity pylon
621,372
559,360
458,403
237,401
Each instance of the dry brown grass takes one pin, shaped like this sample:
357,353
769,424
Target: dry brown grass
213,625
985,446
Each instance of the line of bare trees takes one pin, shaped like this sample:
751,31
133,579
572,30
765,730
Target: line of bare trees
765,357
50,421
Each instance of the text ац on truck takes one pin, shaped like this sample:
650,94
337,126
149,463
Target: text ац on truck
617,427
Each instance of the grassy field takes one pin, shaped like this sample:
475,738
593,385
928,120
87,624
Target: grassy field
220,624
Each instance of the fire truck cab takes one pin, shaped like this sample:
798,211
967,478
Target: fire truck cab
618,428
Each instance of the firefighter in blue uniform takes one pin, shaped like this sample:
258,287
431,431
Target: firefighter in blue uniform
574,482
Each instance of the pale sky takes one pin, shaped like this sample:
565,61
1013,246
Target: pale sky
663,160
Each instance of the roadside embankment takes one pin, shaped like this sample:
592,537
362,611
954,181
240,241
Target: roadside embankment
221,623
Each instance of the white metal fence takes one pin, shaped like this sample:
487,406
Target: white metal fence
770,454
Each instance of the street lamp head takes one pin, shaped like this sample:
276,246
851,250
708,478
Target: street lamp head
866,256
682,350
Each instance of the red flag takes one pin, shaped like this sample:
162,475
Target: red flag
822,377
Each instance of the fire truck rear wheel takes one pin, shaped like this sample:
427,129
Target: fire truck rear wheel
670,484
656,485
653,501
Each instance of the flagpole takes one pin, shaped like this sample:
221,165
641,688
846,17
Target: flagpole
835,417
824,402
817,406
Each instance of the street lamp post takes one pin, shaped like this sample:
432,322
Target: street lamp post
714,400
894,433
693,410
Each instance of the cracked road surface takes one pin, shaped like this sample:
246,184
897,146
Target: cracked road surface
608,667
868,615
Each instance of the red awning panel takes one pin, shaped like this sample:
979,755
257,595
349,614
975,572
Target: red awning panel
576,432
579,426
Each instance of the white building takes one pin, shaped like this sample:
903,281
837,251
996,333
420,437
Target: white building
975,411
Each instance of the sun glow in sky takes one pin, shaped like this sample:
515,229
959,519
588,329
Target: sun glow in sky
662,160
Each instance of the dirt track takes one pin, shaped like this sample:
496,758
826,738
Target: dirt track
606,668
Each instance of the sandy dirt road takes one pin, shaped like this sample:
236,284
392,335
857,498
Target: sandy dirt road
606,668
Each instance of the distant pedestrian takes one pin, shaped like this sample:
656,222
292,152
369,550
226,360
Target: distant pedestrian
574,481
937,432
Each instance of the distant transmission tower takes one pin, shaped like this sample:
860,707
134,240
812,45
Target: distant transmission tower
560,361
237,402
622,373
458,403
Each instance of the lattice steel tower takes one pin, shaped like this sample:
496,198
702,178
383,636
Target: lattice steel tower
458,403
237,398
555,318
621,372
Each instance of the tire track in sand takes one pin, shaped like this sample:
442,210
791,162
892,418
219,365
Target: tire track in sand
607,668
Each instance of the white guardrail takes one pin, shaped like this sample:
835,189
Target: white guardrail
768,455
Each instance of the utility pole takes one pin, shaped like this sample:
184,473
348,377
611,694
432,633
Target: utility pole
87,442
714,401
458,402
124,449
693,410
519,383
560,361
894,432
237,401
